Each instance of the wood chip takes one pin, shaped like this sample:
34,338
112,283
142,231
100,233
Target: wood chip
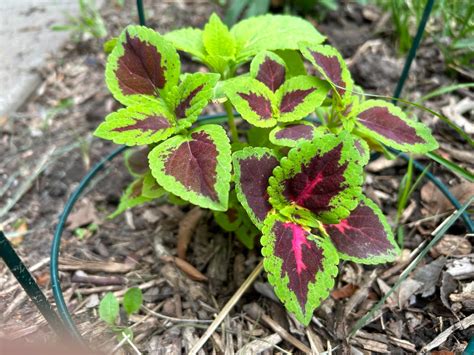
452,245
68,264
440,339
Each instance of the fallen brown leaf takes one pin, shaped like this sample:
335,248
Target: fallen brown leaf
452,245
187,226
86,214
185,267
436,202
343,292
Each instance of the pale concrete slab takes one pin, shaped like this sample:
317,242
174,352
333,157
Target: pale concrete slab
26,39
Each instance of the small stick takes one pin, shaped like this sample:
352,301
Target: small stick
228,306
173,319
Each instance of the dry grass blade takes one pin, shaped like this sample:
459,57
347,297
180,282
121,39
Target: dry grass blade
229,305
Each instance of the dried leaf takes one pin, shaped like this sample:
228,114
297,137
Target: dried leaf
428,276
407,289
185,267
452,245
436,202
86,214
187,226
448,286
343,292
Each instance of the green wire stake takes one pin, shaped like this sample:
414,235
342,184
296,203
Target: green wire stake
21,273
413,49
141,13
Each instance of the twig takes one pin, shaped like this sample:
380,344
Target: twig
228,306
173,319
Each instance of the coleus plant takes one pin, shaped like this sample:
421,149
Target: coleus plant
296,179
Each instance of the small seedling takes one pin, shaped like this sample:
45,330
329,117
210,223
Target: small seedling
294,178
109,310
89,22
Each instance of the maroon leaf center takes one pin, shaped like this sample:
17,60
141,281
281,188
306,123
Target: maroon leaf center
271,73
150,123
139,68
259,104
380,120
319,181
185,103
360,235
254,175
302,258
194,164
293,98
332,68
295,132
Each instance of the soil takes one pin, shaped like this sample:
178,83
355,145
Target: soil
47,147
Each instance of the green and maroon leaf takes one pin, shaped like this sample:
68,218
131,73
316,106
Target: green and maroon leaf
252,168
151,189
301,266
132,197
195,167
329,63
253,100
388,124
323,176
300,96
364,236
193,95
136,161
138,125
142,64
292,134
268,68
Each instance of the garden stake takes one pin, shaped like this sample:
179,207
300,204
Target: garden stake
21,273
413,49
141,13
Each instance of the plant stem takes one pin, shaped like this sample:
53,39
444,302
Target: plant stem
231,121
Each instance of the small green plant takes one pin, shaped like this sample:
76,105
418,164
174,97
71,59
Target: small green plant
109,310
89,22
294,178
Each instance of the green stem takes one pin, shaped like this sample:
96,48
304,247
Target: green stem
231,121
